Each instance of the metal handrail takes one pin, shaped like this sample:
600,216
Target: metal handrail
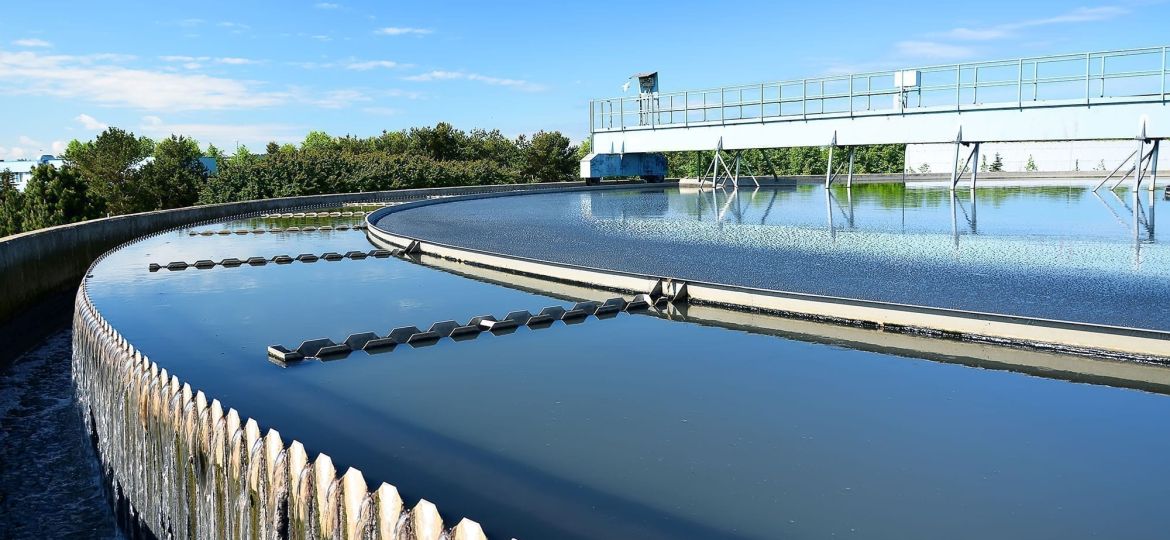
846,92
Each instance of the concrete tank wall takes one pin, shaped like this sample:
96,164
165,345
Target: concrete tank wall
36,263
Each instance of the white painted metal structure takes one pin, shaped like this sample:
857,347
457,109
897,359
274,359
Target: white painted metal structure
1119,94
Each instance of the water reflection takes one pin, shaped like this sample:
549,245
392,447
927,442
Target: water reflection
1053,251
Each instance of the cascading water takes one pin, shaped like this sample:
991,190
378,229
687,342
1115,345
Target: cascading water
183,467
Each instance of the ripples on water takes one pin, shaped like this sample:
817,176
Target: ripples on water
50,481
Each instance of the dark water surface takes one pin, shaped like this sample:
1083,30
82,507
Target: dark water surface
638,427
1056,252
50,481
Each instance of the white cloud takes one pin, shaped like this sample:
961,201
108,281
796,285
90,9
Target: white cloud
371,64
401,31
439,75
335,99
190,23
381,111
25,140
224,135
109,84
934,50
236,61
91,123
32,42
1000,31
58,147
322,38
326,5
235,27
14,152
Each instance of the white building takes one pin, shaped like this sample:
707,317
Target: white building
23,168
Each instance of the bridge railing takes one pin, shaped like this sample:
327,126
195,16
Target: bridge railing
1045,81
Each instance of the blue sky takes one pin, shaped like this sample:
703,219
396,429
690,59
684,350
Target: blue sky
251,71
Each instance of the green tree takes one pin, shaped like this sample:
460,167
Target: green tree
1030,165
584,149
317,141
996,164
106,164
272,148
549,158
11,204
55,197
983,163
173,179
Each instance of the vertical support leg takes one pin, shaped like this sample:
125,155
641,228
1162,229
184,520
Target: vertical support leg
829,169
1137,173
1154,164
955,166
974,169
849,179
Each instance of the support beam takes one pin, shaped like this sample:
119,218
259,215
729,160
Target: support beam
829,169
849,179
974,169
1119,166
955,165
1137,179
1154,169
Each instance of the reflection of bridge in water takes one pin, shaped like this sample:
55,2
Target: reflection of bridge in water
1134,215
1110,95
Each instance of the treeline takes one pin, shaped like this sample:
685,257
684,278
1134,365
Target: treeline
107,176
120,173
414,158
879,158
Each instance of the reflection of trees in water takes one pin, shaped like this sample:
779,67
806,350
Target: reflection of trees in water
896,195
879,158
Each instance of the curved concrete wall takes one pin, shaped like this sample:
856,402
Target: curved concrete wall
35,263
1068,336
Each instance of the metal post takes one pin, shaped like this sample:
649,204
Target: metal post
622,113
1154,170
721,92
955,166
849,179
975,88
829,169
761,103
1020,86
958,86
1088,62
974,171
804,98
851,98
1137,175
1163,73
686,109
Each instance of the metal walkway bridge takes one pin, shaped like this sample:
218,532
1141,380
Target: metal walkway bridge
1120,94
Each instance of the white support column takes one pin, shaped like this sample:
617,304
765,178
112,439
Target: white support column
1154,165
1137,172
829,169
849,179
955,165
974,168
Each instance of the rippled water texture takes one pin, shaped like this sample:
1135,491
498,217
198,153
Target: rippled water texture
637,426
50,483
1045,251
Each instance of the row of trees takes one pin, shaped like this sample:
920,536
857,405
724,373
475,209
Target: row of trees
414,158
120,173
106,176
881,158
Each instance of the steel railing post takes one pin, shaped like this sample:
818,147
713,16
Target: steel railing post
761,102
1163,73
975,88
621,113
804,98
851,96
722,120
1088,64
958,86
1020,85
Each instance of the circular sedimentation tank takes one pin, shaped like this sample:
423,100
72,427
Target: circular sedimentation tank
247,398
